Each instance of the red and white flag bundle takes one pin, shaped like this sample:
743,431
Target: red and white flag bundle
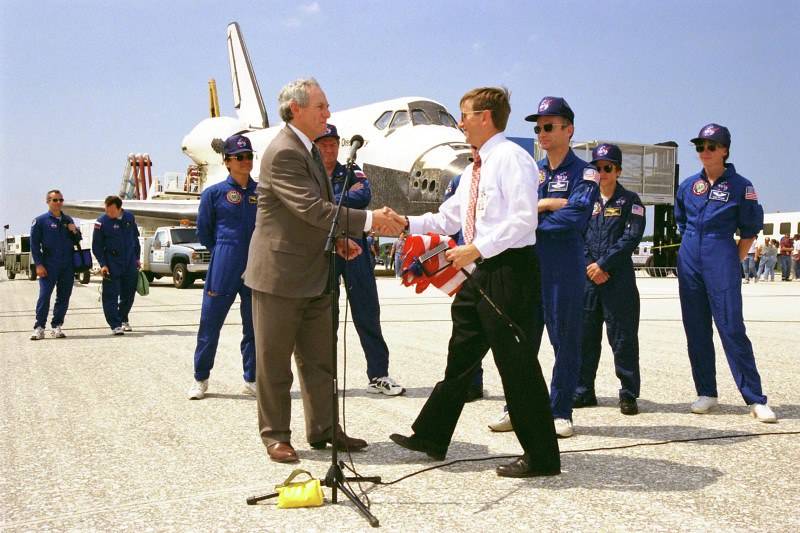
424,264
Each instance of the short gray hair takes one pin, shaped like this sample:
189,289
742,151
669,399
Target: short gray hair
295,91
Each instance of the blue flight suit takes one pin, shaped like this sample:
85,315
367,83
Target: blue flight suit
359,279
51,246
115,244
225,223
614,231
559,245
451,189
710,276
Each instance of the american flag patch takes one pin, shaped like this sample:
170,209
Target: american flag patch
98,224
359,174
750,193
637,210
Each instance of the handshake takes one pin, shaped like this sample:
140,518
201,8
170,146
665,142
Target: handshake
387,222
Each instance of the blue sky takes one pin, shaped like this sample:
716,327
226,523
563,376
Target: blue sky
83,83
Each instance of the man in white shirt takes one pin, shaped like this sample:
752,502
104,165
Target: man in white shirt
496,204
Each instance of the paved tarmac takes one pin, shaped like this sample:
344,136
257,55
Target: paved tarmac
96,433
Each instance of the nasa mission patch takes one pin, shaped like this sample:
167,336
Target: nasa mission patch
234,197
700,187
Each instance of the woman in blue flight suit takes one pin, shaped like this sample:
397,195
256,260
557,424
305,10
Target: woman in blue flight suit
610,294
709,208
53,236
115,244
225,223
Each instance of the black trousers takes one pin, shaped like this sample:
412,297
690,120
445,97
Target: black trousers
511,280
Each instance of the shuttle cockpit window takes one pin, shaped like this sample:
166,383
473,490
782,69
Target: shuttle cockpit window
400,119
383,120
420,118
446,119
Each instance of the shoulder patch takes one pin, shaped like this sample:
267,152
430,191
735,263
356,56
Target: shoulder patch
34,221
591,174
98,223
750,193
359,174
637,210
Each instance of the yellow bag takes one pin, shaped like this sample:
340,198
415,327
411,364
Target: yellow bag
299,493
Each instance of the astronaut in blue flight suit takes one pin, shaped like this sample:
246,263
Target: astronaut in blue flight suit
115,244
709,208
52,238
568,190
225,223
610,293
359,273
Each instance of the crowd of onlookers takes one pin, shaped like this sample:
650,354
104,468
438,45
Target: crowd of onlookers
767,254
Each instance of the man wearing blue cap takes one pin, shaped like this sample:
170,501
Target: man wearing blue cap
610,293
115,244
359,273
710,207
225,223
568,190
53,236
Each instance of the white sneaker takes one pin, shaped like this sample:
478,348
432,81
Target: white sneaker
384,385
38,334
503,423
198,390
704,404
126,326
747,280
763,413
249,388
118,331
564,427
56,333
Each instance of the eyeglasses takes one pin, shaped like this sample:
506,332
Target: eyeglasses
605,168
56,199
241,157
547,128
711,147
465,113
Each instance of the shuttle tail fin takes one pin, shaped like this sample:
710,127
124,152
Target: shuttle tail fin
246,93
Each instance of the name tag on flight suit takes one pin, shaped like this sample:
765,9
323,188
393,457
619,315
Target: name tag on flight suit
613,212
720,196
558,186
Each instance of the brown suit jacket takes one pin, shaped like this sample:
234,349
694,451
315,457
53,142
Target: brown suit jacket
295,212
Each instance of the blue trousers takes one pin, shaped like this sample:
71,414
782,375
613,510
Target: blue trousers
119,291
60,278
563,269
615,302
212,317
785,261
712,288
749,266
359,283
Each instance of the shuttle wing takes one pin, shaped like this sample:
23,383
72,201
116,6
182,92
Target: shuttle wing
149,213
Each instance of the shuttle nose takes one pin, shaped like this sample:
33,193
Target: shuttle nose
432,171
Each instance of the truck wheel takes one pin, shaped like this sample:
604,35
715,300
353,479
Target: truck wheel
32,274
11,274
85,277
150,276
652,270
181,276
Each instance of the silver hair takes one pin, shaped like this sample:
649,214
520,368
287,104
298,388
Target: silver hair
295,91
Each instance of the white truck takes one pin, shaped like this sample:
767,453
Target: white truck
175,251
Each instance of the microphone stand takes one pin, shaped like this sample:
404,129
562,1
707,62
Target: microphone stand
335,478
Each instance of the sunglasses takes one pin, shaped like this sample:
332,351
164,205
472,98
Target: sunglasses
241,157
56,199
464,114
605,168
547,128
711,147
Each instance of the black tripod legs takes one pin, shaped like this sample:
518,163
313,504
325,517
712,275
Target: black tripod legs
335,480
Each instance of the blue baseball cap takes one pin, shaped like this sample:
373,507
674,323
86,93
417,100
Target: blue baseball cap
236,144
607,152
552,106
330,131
714,132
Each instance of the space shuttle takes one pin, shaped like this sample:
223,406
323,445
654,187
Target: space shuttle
412,148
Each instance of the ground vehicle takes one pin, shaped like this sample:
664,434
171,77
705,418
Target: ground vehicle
17,257
176,251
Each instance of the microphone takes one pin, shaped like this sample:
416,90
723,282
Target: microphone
356,142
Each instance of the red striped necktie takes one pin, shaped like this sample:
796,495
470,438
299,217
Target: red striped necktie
469,226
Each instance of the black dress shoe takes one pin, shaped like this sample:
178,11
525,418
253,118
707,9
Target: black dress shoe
587,399
417,444
343,442
627,406
474,392
521,468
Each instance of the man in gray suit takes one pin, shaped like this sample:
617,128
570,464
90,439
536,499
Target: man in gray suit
287,270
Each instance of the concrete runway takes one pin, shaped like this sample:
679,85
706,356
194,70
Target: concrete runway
97,433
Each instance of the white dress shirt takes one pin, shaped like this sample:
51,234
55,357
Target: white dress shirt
308,144
506,212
